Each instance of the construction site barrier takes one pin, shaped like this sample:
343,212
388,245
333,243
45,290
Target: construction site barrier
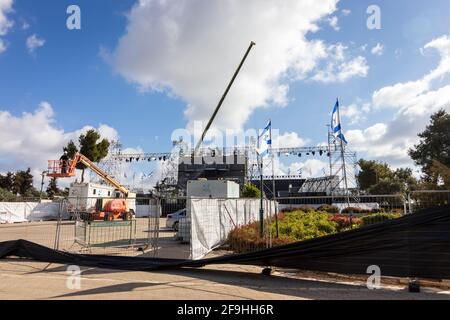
415,245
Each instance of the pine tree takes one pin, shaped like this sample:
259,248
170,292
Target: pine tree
89,147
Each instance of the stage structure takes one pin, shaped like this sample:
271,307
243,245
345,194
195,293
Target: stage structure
343,168
240,164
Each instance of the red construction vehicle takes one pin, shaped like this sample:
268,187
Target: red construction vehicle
105,208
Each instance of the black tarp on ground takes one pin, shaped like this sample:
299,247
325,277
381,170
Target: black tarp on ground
416,245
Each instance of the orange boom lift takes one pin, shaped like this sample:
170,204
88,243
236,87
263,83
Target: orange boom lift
112,209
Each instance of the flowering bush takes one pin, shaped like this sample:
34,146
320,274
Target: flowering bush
292,226
345,222
328,208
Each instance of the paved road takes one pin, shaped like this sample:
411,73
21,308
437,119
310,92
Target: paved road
23,279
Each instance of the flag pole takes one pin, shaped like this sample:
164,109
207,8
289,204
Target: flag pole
273,179
344,169
261,196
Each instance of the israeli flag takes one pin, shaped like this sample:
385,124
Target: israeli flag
264,141
336,125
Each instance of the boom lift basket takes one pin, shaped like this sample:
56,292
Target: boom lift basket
61,168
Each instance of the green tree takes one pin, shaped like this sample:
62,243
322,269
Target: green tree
90,147
433,149
251,191
378,178
440,174
6,195
6,181
52,189
23,182
406,178
386,186
71,149
372,172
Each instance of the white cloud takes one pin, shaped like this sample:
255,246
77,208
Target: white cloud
2,46
33,42
289,140
341,72
340,67
355,112
5,23
407,95
346,12
308,169
190,49
29,140
414,101
378,49
333,21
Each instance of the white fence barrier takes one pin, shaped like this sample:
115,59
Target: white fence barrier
11,212
213,219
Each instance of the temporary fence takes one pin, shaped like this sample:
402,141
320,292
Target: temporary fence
211,221
11,212
422,199
355,204
415,245
205,226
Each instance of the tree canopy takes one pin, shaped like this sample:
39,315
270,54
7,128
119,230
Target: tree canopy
90,146
16,184
432,153
53,190
377,177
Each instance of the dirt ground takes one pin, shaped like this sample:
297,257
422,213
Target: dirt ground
23,279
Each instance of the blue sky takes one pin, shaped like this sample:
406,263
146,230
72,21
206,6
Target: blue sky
88,78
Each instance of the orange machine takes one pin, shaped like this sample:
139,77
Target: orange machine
112,209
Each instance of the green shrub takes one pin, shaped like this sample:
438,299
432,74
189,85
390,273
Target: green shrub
250,191
355,210
299,225
328,208
292,226
378,217
246,239
377,210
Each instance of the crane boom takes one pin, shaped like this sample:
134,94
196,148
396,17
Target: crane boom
102,174
199,143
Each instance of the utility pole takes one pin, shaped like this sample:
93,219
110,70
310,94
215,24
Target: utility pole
42,184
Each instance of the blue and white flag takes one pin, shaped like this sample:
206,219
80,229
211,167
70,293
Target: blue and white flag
264,141
336,124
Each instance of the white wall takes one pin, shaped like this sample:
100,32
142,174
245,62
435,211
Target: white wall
11,212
